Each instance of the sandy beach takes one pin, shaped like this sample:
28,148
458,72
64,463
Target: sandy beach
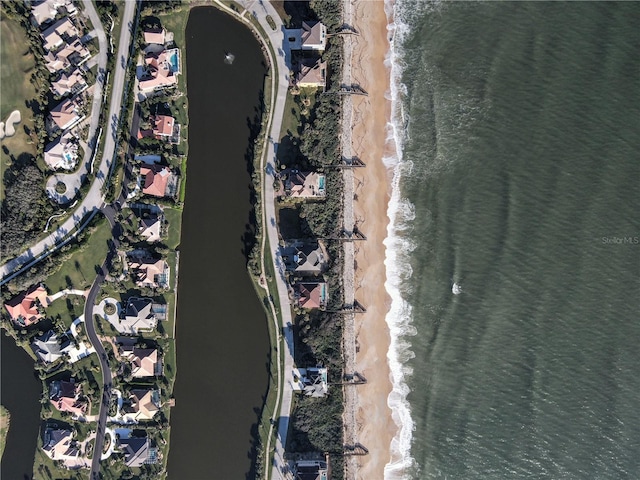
375,428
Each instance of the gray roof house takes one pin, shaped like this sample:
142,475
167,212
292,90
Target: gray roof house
58,444
304,257
311,381
49,348
140,314
138,452
311,470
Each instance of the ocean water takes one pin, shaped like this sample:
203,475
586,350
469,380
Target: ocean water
516,181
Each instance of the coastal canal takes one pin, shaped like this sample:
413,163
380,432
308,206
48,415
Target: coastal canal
222,338
20,394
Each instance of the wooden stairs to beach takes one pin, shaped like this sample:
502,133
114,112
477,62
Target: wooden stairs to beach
355,449
344,29
352,162
354,378
357,307
352,89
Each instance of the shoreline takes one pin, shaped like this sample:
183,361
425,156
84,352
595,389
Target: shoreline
375,427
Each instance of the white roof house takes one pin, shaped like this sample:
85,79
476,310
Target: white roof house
311,381
62,153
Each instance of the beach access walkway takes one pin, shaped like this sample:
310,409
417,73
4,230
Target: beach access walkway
348,328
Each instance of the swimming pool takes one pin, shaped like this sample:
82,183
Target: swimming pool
174,60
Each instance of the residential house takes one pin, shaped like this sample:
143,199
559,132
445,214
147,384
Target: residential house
63,31
313,36
27,308
58,444
311,470
62,153
140,314
143,404
150,227
138,451
299,184
310,295
161,70
163,127
149,272
311,381
154,35
45,11
65,397
310,72
158,180
145,362
304,257
49,348
73,53
69,84
64,115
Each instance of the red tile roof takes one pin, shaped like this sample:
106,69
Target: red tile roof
156,178
24,306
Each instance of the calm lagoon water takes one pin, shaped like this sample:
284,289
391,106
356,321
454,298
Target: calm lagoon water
20,394
222,338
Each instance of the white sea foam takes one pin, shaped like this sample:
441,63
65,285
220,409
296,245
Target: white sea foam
401,213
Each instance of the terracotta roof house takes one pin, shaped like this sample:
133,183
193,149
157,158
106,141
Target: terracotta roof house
145,362
163,127
138,451
57,34
154,36
310,72
58,444
62,153
310,294
65,397
311,470
140,314
72,83
49,348
313,36
161,70
144,404
150,273
304,257
311,381
299,184
64,115
25,309
158,180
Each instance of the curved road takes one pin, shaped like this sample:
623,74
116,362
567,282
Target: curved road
94,198
116,230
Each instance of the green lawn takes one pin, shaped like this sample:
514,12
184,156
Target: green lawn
68,309
174,217
15,89
79,271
